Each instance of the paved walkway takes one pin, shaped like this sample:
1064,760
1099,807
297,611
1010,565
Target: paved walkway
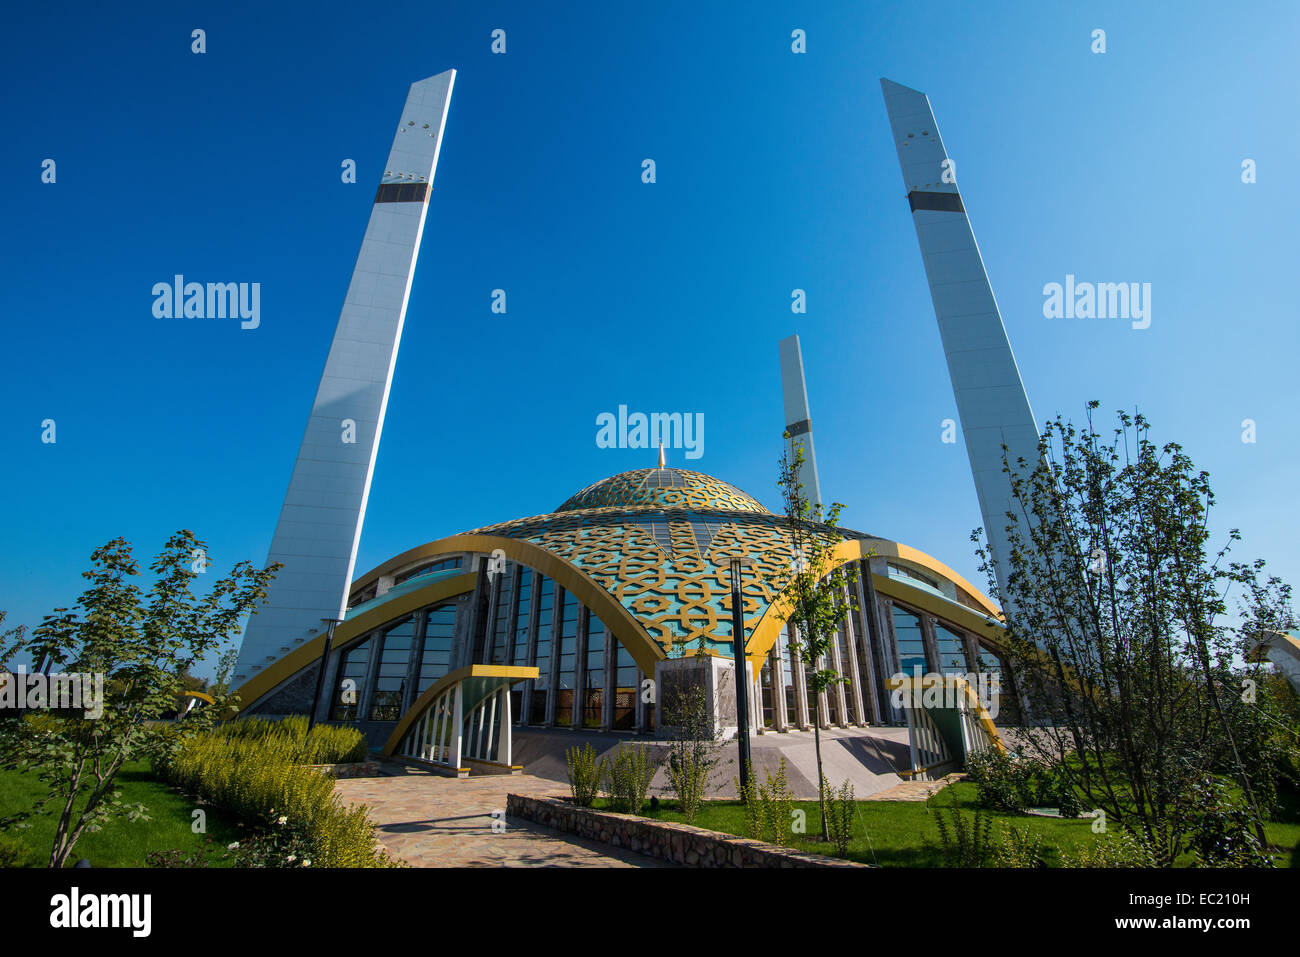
915,790
429,820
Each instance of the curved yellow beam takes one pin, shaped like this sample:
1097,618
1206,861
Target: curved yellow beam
512,673
266,680
769,626
643,649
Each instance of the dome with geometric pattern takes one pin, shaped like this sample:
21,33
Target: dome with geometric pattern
663,488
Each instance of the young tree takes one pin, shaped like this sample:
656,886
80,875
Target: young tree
1116,621
142,645
813,593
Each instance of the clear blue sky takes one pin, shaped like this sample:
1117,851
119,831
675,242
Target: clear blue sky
775,171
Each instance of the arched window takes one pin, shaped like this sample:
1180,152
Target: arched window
347,688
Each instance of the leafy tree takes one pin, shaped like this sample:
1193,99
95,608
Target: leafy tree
813,593
142,644
1117,624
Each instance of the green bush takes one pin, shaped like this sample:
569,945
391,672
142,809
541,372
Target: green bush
840,809
584,776
259,777
1003,782
628,777
1018,847
748,793
14,853
325,744
777,805
964,842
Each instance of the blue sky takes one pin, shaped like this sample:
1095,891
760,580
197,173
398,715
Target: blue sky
775,171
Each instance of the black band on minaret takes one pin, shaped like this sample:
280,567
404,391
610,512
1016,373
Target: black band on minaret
799,428
936,202
403,193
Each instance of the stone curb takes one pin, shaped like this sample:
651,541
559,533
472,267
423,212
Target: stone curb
682,844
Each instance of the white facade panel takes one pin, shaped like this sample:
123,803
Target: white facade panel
320,522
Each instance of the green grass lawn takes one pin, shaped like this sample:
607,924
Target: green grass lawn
904,834
121,843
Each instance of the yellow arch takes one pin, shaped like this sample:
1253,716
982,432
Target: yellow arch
507,674
643,649
266,681
774,619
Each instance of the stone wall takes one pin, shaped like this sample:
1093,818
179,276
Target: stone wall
676,843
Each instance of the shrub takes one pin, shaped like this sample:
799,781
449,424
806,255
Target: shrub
777,805
1118,848
584,776
693,753
840,809
1220,828
748,792
260,779
964,842
1018,847
14,853
324,744
1002,782
628,777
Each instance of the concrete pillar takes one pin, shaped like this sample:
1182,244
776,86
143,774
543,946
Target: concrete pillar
841,695
413,664
530,654
778,687
868,645
579,669
611,682
855,679
642,706
932,660
553,666
799,681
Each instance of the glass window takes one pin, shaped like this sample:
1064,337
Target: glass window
502,624
594,692
625,688
542,683
952,651
428,569
352,673
519,652
568,651
394,663
435,658
911,646
363,596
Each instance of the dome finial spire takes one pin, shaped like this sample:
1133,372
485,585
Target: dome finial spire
661,455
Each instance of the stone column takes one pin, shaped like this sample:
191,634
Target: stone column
553,666
611,682
530,654
642,707
855,679
869,644
931,642
841,697
579,716
800,683
778,687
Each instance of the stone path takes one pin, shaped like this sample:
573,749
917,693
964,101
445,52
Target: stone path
429,820
915,790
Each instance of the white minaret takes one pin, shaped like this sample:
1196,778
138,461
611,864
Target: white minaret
798,420
320,522
991,399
